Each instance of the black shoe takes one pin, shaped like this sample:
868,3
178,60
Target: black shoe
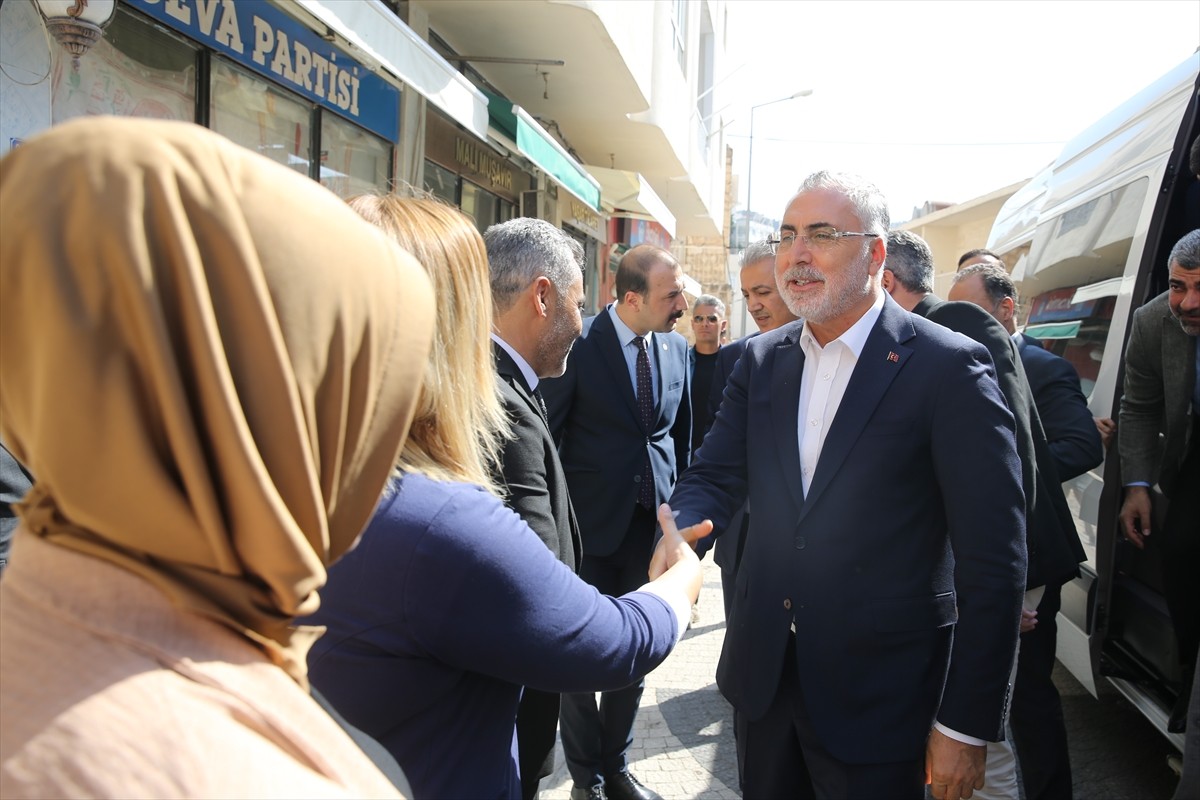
623,786
587,792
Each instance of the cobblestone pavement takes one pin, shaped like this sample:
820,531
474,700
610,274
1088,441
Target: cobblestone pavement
683,738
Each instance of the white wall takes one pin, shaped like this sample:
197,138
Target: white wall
25,75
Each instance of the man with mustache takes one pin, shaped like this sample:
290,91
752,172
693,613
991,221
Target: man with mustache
622,416
877,603
1162,380
537,293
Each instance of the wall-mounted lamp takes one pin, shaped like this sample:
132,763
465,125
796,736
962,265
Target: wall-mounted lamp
76,24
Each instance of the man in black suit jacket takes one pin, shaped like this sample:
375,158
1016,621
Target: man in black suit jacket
1073,442
537,294
1039,734
879,593
622,416
767,309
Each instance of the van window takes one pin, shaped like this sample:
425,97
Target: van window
1080,258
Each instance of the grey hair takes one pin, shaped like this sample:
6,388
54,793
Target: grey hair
996,282
869,203
1186,252
709,300
522,250
755,252
910,260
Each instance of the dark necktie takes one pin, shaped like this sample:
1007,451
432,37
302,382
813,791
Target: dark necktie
541,402
645,401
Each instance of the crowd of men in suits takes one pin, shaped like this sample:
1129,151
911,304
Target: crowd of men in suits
875,595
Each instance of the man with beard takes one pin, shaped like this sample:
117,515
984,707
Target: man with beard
537,295
1162,380
878,599
622,416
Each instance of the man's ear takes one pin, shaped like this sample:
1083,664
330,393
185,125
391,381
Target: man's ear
888,280
1006,309
539,296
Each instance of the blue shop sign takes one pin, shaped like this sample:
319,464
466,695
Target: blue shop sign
266,40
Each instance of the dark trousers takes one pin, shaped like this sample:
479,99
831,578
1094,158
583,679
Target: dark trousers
596,738
782,756
1036,717
1180,545
537,726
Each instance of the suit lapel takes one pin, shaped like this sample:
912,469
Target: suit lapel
511,374
785,411
882,358
609,347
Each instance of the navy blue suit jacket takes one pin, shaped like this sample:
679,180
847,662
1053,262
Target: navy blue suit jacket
602,444
903,568
725,552
1070,429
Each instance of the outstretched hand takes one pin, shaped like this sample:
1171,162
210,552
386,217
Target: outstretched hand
675,544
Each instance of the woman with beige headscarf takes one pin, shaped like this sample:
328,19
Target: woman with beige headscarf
210,364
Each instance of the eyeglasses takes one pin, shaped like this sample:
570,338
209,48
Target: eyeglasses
713,318
820,239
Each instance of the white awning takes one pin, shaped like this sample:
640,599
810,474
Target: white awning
629,191
384,39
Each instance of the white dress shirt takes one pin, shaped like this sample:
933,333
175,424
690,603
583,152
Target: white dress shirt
626,336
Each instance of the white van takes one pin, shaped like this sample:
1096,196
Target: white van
1087,240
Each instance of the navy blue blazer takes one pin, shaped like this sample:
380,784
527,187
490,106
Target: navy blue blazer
725,552
602,444
1070,429
903,568
445,608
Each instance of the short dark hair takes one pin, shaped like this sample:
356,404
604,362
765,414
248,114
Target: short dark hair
978,251
996,282
633,271
910,260
1194,157
1186,252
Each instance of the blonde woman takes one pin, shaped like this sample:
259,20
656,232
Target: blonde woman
451,603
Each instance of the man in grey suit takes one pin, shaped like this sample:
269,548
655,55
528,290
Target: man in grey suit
537,295
621,413
1158,442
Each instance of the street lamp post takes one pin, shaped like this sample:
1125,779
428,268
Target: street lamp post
750,160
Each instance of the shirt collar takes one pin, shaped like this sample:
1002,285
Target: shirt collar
531,378
625,334
855,337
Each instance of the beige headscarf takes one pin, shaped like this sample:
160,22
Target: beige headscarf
208,361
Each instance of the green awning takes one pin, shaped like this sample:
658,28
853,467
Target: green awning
500,114
1054,330
540,148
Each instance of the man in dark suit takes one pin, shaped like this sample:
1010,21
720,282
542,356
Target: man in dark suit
622,416
767,309
537,294
1158,440
879,594
1071,447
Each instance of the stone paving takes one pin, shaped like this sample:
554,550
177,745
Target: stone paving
683,738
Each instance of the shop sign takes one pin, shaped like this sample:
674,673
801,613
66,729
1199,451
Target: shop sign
266,40
580,215
474,159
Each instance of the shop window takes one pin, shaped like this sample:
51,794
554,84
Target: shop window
134,70
352,160
441,183
261,117
480,205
